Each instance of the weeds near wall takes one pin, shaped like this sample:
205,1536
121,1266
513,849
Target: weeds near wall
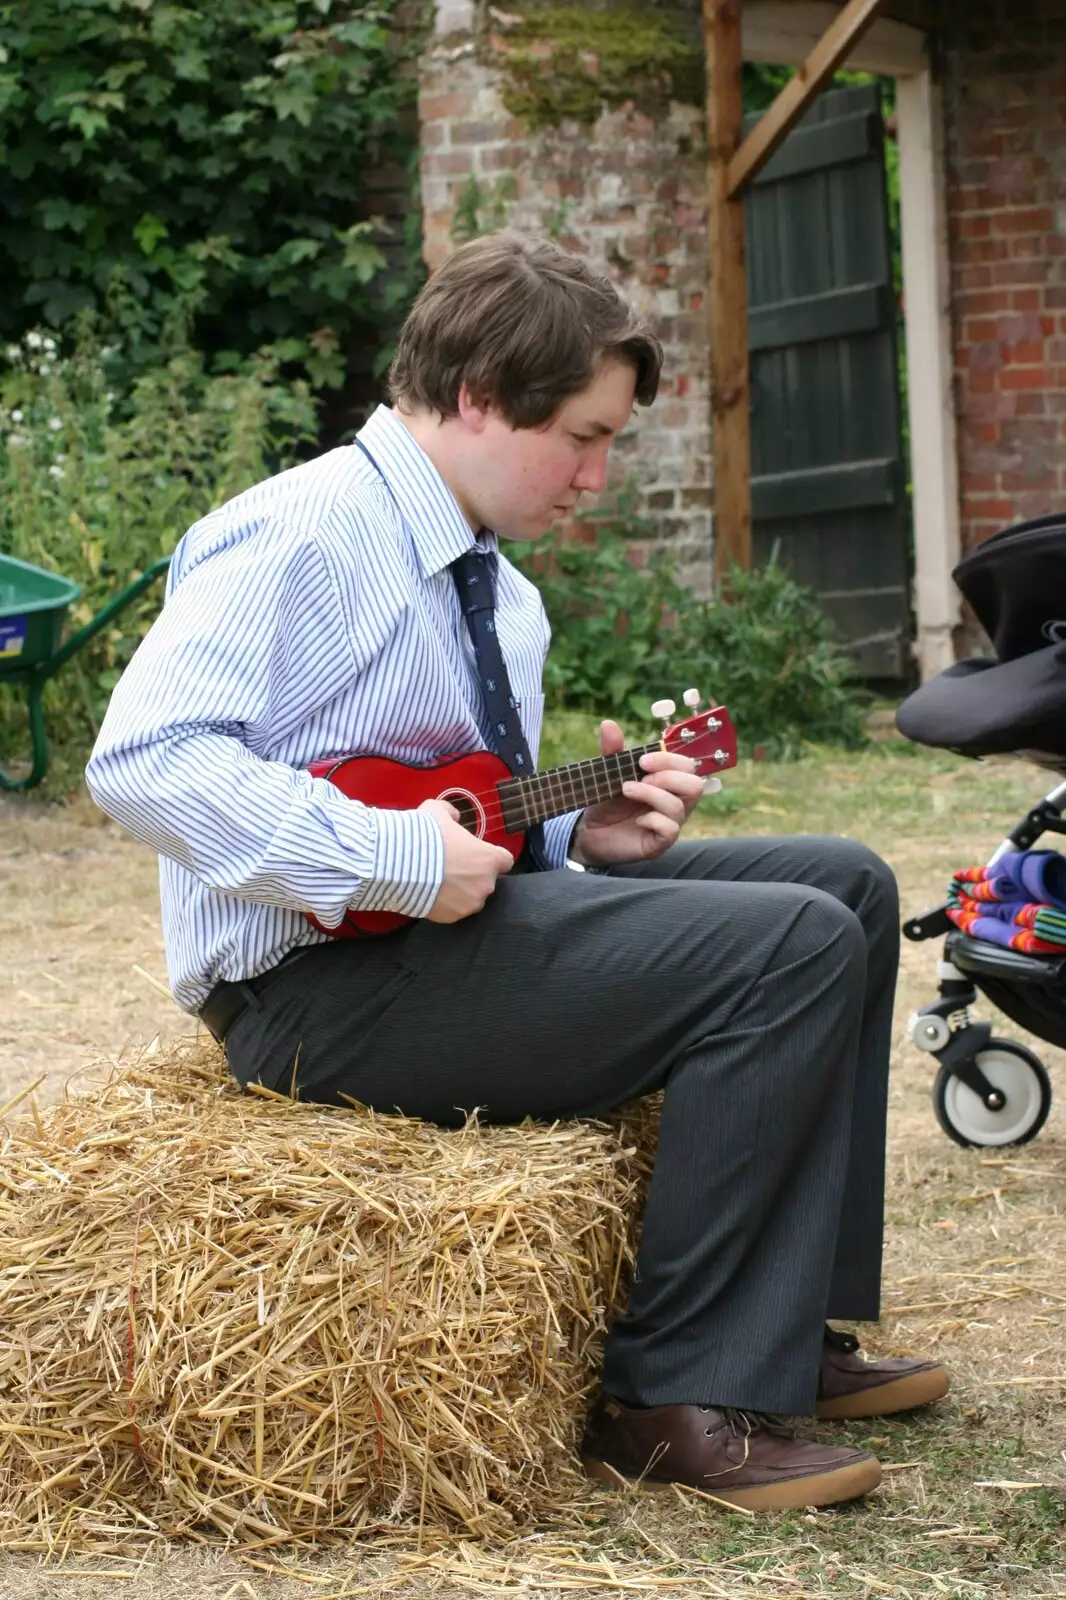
623,636
97,489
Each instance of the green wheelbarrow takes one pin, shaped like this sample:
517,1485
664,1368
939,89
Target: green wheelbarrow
33,611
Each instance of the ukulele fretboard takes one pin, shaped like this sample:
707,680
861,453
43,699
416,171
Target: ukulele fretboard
527,801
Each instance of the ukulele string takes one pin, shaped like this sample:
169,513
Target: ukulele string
493,807
537,788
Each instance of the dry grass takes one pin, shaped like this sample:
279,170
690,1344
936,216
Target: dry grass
975,1267
80,916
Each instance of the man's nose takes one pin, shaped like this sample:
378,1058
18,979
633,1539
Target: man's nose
591,476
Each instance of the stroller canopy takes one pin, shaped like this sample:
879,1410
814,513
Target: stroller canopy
1014,700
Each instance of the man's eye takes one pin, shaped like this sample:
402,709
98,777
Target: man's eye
582,438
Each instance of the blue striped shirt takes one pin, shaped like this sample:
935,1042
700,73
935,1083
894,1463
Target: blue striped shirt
313,615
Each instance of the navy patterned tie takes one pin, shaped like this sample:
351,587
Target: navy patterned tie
475,574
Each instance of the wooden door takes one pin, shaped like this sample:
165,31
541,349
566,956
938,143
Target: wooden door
829,489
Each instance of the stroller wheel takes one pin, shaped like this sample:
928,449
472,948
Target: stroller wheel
1026,1087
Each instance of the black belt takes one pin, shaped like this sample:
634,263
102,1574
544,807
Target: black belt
228,1002
225,1003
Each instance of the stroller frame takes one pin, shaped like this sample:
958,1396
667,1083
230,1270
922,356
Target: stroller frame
988,1091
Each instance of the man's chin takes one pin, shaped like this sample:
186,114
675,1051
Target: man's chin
530,529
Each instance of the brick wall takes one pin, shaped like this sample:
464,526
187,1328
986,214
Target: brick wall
629,194
1005,104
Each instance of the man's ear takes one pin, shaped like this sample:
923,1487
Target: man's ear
473,411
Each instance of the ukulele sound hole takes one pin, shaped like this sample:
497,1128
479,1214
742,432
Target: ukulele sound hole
471,814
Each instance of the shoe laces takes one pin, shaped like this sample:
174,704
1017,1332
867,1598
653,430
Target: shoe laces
743,1423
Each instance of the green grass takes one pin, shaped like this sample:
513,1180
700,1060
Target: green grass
889,785
924,1543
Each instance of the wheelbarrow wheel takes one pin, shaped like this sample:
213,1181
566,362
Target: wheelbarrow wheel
1022,1079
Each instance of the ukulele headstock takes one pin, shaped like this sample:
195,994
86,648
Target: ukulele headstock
706,737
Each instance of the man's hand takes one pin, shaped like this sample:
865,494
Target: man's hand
471,866
646,818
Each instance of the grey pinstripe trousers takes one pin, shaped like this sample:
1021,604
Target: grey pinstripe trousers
751,979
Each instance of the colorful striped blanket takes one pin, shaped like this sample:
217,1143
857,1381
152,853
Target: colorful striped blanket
1019,903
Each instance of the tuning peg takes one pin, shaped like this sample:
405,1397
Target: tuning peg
664,709
691,697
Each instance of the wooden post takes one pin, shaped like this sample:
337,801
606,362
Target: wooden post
728,298
773,127
930,395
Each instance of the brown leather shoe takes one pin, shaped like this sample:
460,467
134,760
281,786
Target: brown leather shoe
738,1456
852,1386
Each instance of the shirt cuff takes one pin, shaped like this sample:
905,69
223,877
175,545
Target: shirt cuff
558,831
408,867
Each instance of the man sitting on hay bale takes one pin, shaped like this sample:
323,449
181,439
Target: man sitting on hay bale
335,610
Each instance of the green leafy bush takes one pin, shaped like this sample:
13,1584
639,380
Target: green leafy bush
219,155
97,492
623,637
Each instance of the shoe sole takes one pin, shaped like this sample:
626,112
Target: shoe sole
902,1394
792,1494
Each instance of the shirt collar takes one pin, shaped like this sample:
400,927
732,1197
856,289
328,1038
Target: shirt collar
439,531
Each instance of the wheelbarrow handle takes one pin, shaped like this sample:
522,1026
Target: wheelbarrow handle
102,618
38,740
37,676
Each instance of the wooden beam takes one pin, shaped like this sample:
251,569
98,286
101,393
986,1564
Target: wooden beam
728,291
794,99
786,31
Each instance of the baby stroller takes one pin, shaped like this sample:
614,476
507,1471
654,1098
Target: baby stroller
993,1091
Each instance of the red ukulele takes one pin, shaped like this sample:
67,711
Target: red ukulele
498,807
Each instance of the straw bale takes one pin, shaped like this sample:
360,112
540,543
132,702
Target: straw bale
234,1317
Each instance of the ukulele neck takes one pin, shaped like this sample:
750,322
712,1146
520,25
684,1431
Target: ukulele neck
527,801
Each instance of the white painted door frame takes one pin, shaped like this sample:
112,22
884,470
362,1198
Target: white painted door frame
783,32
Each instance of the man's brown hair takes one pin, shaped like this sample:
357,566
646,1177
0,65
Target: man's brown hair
524,324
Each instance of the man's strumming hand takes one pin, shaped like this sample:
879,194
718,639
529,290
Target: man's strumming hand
471,866
647,816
